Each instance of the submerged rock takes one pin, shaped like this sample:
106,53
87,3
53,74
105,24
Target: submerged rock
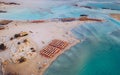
68,19
13,3
83,15
86,7
1,11
9,3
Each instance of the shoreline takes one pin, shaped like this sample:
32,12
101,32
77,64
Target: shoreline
40,34
116,16
63,33
59,54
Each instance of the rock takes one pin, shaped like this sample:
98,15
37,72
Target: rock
21,60
1,11
5,22
75,5
67,19
83,15
2,47
38,21
9,3
1,27
16,35
86,7
13,3
85,18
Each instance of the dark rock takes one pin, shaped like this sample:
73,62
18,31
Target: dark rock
31,48
12,3
25,40
67,19
18,43
9,3
11,38
22,59
2,47
75,5
86,7
1,11
16,35
83,15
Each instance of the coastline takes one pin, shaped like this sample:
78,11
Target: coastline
54,58
40,31
63,33
116,16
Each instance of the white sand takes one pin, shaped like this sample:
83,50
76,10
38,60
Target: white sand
42,32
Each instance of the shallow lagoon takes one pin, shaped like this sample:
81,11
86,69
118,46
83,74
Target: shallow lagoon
59,11
97,54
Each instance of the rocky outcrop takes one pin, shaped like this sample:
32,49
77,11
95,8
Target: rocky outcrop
67,19
85,18
38,21
5,22
86,7
9,3
1,11
2,27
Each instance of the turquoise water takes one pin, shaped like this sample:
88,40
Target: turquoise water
105,5
97,54
99,51
60,11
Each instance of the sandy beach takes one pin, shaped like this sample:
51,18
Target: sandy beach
40,34
37,33
116,16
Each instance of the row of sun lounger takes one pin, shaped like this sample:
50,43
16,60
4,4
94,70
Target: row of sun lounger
53,48
49,51
58,43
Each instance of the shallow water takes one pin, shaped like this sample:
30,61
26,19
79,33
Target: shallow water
98,54
62,10
99,51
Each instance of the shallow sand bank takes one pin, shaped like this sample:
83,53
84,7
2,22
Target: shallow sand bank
116,16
